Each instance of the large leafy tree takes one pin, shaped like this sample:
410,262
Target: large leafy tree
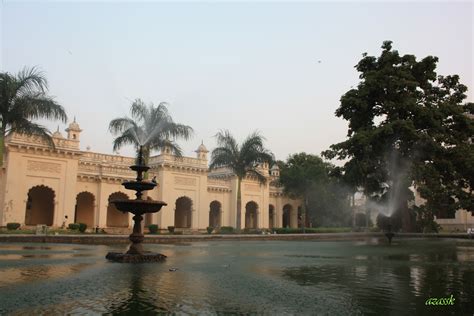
150,127
24,98
408,126
318,184
242,159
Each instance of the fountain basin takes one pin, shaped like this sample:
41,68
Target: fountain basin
139,186
139,206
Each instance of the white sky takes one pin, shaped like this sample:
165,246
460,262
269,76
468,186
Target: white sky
238,66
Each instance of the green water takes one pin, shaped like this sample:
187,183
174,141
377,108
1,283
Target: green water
247,277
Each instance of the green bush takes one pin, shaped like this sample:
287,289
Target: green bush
252,231
82,227
210,229
226,230
153,228
171,229
74,226
13,226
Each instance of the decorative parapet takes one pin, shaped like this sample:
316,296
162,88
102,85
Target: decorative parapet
59,143
276,191
103,166
219,185
104,158
187,163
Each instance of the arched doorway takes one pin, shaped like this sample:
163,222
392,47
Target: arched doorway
251,219
40,206
84,209
183,212
287,209
116,218
271,216
215,214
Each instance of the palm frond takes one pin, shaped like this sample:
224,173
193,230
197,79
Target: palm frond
127,138
152,126
120,125
30,80
37,106
26,127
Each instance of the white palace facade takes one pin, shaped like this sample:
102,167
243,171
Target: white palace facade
55,187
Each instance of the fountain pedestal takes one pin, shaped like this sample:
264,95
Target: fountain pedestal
138,207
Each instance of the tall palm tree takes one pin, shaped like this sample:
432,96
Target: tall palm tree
151,127
242,160
23,98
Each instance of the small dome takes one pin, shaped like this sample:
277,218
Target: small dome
275,167
202,148
74,126
57,134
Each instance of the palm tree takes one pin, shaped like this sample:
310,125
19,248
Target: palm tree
242,160
150,127
23,97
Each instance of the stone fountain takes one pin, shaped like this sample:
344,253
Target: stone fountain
137,207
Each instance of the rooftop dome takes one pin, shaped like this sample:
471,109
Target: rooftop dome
275,167
58,134
74,126
202,148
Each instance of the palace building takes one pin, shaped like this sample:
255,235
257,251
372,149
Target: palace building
55,187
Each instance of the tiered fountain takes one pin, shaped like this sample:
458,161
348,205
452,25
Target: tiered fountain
138,207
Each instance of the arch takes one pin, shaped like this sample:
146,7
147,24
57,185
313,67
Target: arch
215,214
183,212
40,206
251,215
287,210
84,211
271,216
115,218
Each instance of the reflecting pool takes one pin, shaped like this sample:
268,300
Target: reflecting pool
247,277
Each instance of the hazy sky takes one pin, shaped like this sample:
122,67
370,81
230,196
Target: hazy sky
238,66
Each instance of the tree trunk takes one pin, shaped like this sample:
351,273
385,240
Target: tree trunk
2,145
239,205
407,225
353,210
303,214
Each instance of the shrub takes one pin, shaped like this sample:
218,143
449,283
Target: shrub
210,229
82,227
252,231
153,228
74,226
226,230
171,229
13,226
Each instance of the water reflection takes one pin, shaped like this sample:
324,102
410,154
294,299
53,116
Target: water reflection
135,299
335,278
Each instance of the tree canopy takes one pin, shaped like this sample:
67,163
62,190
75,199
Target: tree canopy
149,126
318,184
24,98
408,126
